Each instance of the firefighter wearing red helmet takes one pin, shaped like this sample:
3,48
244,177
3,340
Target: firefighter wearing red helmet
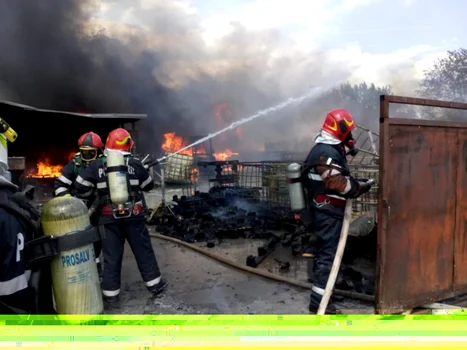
329,184
131,225
90,147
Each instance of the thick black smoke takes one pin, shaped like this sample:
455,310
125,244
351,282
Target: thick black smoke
161,68
47,61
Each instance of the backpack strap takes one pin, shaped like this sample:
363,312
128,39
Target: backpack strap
43,248
77,164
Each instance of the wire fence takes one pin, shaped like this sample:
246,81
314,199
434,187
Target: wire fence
264,182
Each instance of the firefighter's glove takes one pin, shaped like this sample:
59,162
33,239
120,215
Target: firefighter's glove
147,163
67,195
361,187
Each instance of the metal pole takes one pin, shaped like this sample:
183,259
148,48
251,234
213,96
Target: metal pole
163,183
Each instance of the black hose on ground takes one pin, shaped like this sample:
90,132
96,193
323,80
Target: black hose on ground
262,273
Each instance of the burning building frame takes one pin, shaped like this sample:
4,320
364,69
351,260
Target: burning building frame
48,138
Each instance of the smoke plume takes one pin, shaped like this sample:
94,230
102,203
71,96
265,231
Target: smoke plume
59,54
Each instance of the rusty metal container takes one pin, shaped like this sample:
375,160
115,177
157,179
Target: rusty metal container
422,208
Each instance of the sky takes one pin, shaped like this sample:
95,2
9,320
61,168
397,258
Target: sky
373,40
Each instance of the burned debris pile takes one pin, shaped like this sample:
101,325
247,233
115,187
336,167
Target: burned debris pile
235,205
250,200
221,213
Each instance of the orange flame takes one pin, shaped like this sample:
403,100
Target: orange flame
221,156
46,170
224,117
194,175
173,143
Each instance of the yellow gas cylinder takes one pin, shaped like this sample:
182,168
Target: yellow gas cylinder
75,279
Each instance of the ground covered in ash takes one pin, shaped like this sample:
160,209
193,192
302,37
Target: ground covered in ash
199,285
220,215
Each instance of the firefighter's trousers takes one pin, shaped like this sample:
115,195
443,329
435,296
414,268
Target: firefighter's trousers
327,229
136,232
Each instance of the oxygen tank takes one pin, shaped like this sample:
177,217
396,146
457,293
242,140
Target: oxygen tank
75,279
297,196
118,186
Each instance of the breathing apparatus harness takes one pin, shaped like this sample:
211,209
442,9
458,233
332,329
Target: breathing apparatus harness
345,172
43,248
79,164
40,249
122,210
300,191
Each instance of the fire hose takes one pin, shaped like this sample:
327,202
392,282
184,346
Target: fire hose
265,274
337,259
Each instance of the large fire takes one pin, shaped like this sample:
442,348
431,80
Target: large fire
173,143
46,170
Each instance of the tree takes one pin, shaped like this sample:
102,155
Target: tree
361,100
447,79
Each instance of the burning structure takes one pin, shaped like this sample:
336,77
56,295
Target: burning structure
48,139
182,163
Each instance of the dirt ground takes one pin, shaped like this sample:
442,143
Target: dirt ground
200,285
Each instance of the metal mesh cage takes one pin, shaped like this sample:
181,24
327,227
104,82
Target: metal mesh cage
366,141
264,182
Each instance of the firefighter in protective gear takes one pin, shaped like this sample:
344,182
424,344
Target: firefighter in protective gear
14,278
22,290
117,229
329,184
90,147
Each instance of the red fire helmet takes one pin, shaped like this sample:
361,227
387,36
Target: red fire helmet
90,140
339,123
119,139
